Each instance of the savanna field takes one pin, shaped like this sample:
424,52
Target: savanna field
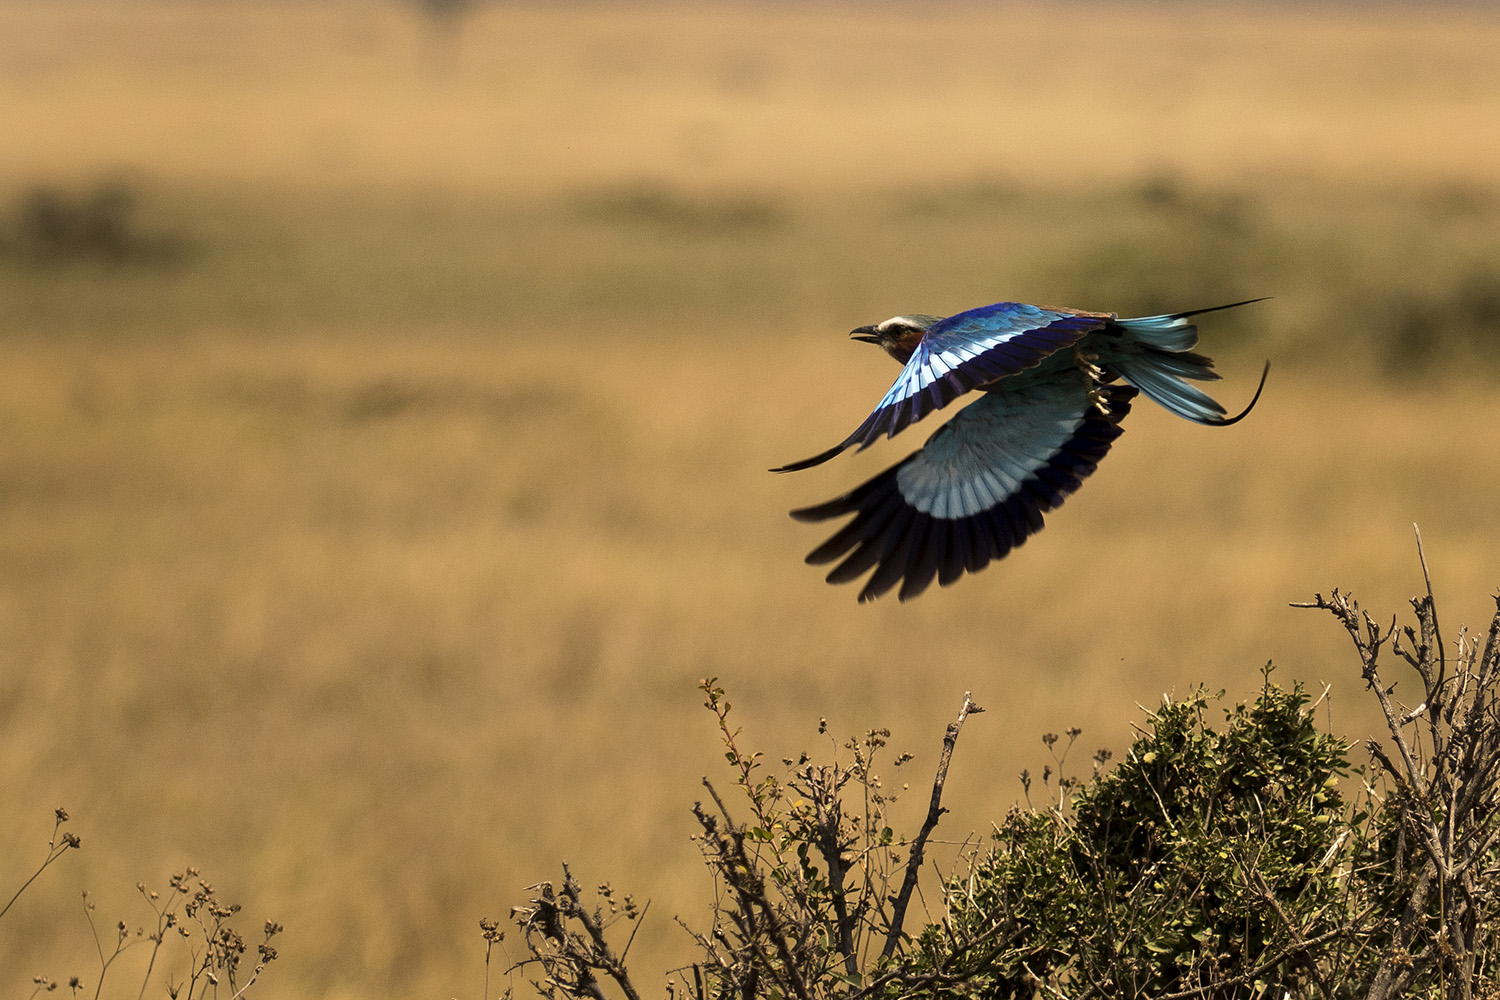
385,413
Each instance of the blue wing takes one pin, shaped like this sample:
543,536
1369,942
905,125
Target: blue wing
977,489
960,353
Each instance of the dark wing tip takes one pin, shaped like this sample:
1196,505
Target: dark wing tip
808,463
822,512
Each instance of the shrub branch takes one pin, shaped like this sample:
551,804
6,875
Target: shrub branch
935,812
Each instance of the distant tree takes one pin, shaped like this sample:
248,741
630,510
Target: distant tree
445,19
55,226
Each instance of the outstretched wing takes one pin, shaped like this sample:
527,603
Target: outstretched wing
962,352
976,490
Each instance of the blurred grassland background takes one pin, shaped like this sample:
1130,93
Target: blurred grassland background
384,415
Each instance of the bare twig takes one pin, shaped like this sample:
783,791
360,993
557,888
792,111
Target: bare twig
1444,791
1258,885
998,937
1437,634
935,811
57,846
571,956
749,888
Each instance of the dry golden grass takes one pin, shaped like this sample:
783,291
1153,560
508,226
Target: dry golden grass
368,557
713,94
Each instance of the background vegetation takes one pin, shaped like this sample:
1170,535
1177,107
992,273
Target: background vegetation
1242,858
384,429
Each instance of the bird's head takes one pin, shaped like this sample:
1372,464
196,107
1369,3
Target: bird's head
897,336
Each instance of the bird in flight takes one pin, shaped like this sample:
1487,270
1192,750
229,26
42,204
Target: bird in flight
1056,383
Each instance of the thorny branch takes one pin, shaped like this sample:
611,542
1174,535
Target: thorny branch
1443,778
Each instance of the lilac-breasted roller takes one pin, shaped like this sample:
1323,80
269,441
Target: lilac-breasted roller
1051,406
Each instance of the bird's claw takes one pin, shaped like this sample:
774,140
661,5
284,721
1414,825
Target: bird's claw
1093,375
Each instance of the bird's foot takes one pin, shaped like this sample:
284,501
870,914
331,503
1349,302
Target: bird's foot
1093,376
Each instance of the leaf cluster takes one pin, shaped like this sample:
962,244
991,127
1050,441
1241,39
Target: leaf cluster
1207,858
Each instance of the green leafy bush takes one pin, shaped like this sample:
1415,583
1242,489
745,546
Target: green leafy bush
1173,870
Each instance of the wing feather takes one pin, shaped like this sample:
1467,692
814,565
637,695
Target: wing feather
977,489
961,353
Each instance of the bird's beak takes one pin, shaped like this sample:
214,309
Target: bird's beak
865,333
